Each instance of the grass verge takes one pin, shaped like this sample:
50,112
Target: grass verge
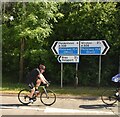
79,91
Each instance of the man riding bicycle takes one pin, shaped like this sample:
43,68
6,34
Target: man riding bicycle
34,79
116,79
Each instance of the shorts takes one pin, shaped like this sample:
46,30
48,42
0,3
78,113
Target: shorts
31,85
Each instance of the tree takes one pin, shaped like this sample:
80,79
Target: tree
32,25
42,23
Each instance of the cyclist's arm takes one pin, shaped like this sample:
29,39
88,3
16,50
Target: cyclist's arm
42,78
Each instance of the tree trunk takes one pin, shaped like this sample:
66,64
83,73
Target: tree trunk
22,52
21,61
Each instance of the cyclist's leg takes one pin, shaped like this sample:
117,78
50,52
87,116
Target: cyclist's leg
32,87
38,82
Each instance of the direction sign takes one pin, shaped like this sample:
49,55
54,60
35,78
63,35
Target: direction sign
65,48
68,59
94,47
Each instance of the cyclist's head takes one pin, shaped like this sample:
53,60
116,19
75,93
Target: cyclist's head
42,67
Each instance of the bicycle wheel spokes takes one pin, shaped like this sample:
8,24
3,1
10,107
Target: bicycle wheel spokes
48,99
108,97
23,96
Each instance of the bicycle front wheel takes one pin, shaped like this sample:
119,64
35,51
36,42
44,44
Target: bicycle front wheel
23,96
48,98
108,97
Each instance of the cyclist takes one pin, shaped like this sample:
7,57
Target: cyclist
116,79
35,78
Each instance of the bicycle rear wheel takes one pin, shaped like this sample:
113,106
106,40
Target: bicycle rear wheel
48,98
23,96
108,97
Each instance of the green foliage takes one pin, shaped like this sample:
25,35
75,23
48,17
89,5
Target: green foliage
32,21
92,21
69,74
42,23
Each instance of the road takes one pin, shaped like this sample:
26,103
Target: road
63,106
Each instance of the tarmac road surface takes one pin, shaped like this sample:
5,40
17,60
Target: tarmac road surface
63,106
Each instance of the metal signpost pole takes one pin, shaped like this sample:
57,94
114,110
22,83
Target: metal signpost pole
76,76
61,75
99,80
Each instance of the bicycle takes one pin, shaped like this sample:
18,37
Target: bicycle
109,96
47,97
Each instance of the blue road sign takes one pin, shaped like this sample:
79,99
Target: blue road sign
66,48
73,48
93,47
90,50
68,51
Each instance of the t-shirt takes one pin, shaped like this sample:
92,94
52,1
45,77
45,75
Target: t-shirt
33,75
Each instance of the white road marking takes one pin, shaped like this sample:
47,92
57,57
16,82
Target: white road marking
20,107
60,110
51,110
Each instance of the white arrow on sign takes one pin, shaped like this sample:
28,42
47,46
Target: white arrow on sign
55,47
68,59
94,47
65,48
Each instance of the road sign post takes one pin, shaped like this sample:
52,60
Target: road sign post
99,70
69,51
76,76
61,75
94,47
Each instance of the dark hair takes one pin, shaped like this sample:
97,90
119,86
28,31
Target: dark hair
41,66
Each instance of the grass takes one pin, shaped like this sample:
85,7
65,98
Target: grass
79,91
12,87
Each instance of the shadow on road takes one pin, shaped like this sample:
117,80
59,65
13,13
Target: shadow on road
17,105
96,106
11,105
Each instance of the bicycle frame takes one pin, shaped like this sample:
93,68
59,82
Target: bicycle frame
43,87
